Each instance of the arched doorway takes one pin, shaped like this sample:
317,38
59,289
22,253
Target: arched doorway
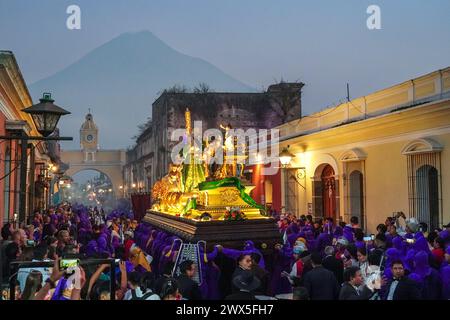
357,196
329,192
427,195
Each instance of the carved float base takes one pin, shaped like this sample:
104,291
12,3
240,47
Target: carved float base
231,234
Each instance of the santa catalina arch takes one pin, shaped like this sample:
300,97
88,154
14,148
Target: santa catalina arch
90,157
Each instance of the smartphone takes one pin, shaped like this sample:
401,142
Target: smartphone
372,236
68,263
369,238
410,240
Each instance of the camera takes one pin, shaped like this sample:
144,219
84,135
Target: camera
410,240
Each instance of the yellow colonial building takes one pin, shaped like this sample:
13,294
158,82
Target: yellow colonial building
373,156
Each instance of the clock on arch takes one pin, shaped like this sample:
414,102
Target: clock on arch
89,138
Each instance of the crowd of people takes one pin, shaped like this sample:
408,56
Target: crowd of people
316,260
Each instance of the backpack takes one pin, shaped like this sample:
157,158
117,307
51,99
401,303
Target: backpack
144,296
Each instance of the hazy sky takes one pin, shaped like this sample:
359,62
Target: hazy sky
322,43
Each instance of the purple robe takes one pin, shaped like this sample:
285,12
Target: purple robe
171,250
249,248
392,254
323,240
348,233
445,277
360,244
58,293
210,275
408,260
398,243
282,261
430,281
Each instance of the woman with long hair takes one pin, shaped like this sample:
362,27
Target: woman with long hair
32,285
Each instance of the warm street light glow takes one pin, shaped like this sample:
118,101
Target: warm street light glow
110,190
121,187
134,185
285,157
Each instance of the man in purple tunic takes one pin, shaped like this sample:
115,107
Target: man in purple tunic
429,278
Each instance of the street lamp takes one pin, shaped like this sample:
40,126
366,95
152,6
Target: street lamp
45,114
286,157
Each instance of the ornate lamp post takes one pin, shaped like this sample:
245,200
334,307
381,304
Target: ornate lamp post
285,159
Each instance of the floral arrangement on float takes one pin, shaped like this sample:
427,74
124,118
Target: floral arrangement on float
234,214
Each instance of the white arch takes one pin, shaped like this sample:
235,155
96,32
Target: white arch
354,154
423,145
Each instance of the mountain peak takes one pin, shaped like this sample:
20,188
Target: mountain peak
121,79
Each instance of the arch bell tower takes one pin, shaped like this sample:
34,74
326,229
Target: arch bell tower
89,138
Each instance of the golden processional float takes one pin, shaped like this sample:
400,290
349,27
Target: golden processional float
201,200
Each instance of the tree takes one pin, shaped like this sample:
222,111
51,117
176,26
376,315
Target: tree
202,87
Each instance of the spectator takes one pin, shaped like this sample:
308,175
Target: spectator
380,241
147,282
169,290
134,281
354,221
295,275
438,250
188,288
244,264
260,273
32,286
363,262
320,282
63,240
353,287
334,265
246,283
166,274
400,287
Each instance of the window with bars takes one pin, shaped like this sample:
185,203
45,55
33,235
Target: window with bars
424,188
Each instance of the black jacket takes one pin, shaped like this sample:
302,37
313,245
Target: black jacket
348,292
241,295
334,265
263,276
188,288
407,289
237,271
321,284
